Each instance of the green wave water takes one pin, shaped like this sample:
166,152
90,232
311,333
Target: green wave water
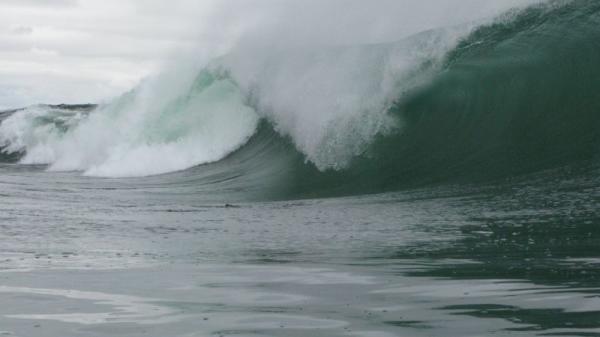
514,97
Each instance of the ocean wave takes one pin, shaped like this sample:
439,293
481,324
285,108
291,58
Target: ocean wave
510,96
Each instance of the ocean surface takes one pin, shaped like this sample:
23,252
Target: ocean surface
446,184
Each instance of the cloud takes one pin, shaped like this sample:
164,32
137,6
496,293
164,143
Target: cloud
51,50
40,3
22,30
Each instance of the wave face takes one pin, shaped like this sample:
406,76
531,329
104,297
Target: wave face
513,96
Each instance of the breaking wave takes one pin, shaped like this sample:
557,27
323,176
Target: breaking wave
511,96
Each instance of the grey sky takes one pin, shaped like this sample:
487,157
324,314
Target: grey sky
55,51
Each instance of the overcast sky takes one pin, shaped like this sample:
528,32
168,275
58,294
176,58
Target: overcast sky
76,51
56,51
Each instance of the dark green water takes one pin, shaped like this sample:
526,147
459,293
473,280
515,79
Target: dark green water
514,97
